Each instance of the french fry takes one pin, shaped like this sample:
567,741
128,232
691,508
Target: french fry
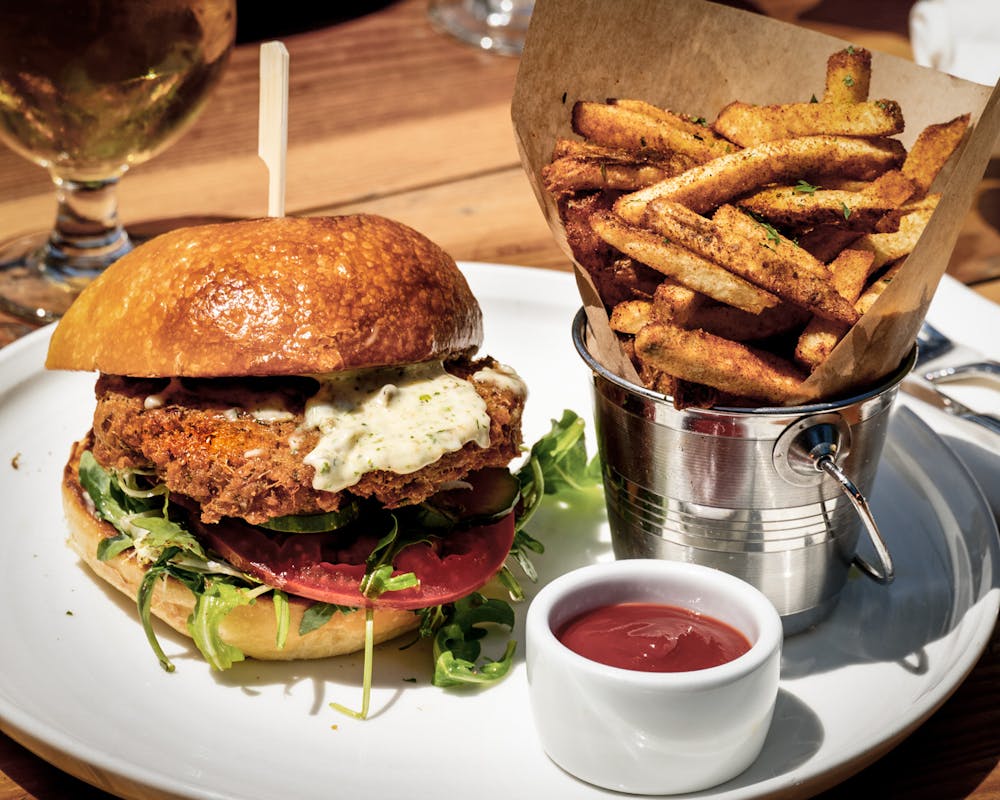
584,166
850,271
848,75
924,206
572,148
706,186
931,150
761,256
698,128
892,187
820,336
874,292
615,278
808,205
748,125
845,184
680,264
674,302
590,251
741,326
788,270
728,366
894,246
658,381
687,394
825,242
629,316
567,175
817,341
617,126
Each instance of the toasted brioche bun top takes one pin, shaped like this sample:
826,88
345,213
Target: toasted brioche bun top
276,296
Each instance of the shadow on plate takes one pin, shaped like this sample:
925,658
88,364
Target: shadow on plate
796,735
941,535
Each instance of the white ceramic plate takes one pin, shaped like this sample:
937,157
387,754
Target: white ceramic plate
77,679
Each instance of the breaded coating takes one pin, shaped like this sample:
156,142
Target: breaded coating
204,442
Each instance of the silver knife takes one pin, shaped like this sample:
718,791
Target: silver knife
938,399
976,369
939,358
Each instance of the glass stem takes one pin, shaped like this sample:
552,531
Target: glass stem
88,233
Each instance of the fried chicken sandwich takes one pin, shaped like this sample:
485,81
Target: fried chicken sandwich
295,445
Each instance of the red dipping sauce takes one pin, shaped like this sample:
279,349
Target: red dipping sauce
652,637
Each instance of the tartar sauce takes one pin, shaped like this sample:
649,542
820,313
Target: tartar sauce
394,418
503,377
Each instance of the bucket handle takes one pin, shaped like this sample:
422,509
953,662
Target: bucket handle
827,464
810,447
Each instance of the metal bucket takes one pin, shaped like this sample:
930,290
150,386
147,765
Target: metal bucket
775,496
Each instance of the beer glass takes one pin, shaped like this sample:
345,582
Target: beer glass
495,25
88,90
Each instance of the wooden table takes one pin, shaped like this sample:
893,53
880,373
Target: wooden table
388,116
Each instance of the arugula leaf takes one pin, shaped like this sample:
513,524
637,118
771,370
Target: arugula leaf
557,462
140,517
282,617
367,677
113,504
318,614
113,545
213,604
162,533
457,649
381,580
144,600
378,579
562,456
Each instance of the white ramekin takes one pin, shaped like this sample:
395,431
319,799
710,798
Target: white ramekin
652,732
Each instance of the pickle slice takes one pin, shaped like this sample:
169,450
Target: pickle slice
493,495
313,523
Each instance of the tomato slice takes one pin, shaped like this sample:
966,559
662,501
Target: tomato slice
328,567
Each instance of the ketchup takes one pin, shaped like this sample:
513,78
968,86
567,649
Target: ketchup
652,637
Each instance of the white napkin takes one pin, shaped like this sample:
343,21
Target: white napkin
960,37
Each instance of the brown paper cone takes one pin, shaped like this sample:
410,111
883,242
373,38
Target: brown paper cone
695,57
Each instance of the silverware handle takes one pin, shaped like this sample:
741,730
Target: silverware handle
988,421
860,503
978,369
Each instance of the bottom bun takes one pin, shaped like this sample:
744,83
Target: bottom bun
250,628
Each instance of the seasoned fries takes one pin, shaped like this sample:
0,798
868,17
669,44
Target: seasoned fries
749,125
933,148
700,357
734,241
681,264
804,204
718,181
645,128
848,74
773,225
